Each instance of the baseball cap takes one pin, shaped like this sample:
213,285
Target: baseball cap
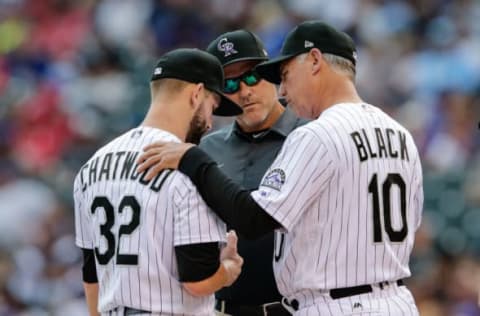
196,66
238,45
304,37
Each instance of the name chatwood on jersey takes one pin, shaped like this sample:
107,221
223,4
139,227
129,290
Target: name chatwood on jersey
118,165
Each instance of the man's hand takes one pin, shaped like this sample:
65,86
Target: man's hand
230,258
159,156
230,250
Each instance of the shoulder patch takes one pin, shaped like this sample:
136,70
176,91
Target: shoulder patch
274,179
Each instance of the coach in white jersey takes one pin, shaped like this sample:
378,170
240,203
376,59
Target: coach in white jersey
344,194
151,247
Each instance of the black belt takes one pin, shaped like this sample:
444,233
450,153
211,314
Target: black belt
133,311
275,309
356,290
349,291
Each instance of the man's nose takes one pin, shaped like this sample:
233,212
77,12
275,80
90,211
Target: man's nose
281,89
245,90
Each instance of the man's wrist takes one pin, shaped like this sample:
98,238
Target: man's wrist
228,265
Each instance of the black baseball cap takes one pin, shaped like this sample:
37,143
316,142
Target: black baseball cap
196,66
304,37
238,45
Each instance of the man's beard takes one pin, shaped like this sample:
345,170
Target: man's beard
198,127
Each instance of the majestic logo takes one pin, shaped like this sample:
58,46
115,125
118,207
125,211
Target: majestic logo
274,179
225,46
308,44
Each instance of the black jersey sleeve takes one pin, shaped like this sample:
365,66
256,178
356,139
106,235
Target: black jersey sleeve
197,262
232,203
89,271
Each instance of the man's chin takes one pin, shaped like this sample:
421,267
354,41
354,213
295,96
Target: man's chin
251,125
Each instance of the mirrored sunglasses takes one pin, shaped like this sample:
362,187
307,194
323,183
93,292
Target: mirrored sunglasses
250,78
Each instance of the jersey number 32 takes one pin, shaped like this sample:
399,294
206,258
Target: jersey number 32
102,202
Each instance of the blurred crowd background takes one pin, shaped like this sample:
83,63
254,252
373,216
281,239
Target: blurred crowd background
73,74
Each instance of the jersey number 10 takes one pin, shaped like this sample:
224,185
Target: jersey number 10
125,229
393,235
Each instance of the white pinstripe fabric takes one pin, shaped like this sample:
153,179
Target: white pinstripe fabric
175,215
325,204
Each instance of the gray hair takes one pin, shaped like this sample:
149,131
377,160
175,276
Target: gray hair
338,63
341,64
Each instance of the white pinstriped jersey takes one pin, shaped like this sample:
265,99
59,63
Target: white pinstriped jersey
133,225
347,188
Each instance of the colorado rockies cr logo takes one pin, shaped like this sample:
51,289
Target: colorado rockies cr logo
226,47
274,179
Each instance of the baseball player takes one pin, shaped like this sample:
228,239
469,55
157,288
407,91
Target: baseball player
151,247
344,194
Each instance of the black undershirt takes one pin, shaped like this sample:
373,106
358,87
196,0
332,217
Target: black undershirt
232,203
89,271
198,261
195,262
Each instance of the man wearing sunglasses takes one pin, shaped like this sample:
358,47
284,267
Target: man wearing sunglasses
244,150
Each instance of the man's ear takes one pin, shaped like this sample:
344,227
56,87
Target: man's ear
316,56
197,96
